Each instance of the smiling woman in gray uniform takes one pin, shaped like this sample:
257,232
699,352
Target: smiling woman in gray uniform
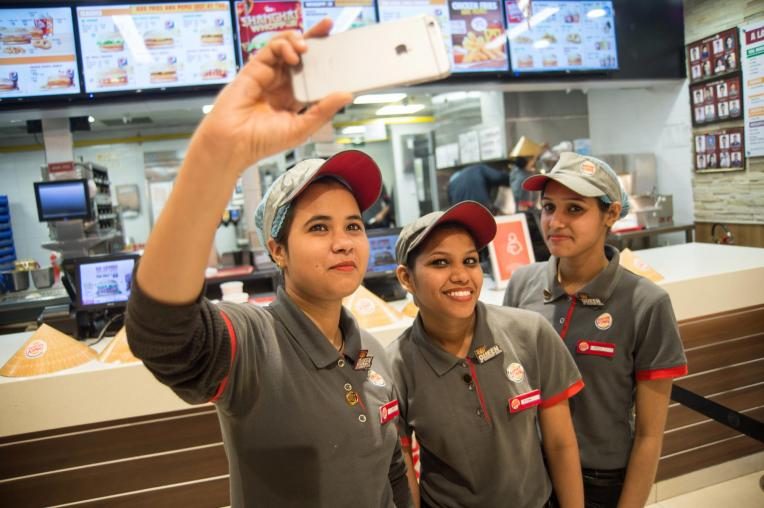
475,380
304,397
619,327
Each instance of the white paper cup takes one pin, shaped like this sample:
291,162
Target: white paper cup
236,297
233,287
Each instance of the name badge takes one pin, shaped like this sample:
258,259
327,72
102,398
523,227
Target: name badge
588,347
389,411
482,354
525,401
363,362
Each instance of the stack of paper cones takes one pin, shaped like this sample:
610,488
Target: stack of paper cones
636,265
46,351
118,351
370,310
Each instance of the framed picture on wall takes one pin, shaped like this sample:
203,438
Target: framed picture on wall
716,101
511,248
720,150
713,56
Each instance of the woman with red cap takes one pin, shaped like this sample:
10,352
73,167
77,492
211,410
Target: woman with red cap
619,327
304,397
476,382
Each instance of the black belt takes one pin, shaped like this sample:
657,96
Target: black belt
603,477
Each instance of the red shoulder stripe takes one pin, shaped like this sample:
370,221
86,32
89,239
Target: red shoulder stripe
672,372
563,395
232,335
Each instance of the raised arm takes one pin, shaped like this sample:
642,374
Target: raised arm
255,116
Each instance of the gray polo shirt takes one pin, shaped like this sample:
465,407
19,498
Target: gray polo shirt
621,329
476,418
302,425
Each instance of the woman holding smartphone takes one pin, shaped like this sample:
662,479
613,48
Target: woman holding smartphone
304,397
619,327
477,381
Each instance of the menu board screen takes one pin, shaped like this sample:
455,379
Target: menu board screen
144,46
560,35
345,14
37,52
258,21
473,31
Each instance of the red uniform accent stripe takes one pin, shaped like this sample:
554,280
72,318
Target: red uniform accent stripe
232,335
672,372
563,395
479,391
568,317
405,442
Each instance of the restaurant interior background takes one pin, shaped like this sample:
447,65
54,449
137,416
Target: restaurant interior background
141,142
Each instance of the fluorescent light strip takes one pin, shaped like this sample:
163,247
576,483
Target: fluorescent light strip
395,109
379,98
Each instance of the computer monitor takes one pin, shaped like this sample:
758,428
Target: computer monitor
380,276
382,251
103,282
62,200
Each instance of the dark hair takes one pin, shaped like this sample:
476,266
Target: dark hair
414,254
521,162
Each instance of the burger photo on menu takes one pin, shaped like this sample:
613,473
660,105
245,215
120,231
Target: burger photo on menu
59,81
214,70
212,38
7,85
113,77
164,73
15,36
158,39
111,42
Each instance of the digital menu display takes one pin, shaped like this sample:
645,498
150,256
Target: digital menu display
143,46
473,31
345,14
560,35
37,52
258,21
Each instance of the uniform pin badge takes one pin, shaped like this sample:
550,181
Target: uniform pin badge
604,321
375,378
483,354
515,372
351,398
363,362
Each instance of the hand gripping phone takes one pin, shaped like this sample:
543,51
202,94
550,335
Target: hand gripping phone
402,52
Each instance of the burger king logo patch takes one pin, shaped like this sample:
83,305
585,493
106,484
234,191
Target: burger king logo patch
604,321
35,349
515,372
588,168
583,346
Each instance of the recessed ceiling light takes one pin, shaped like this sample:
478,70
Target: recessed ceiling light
91,119
354,129
207,108
395,109
379,98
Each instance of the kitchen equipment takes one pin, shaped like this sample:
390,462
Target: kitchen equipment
15,280
26,265
43,277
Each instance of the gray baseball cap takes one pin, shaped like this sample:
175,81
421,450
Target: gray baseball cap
353,168
472,215
585,175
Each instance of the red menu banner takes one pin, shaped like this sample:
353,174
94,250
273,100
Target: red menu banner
258,21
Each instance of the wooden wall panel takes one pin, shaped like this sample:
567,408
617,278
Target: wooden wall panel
725,356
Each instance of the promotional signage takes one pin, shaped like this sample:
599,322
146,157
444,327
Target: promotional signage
752,53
